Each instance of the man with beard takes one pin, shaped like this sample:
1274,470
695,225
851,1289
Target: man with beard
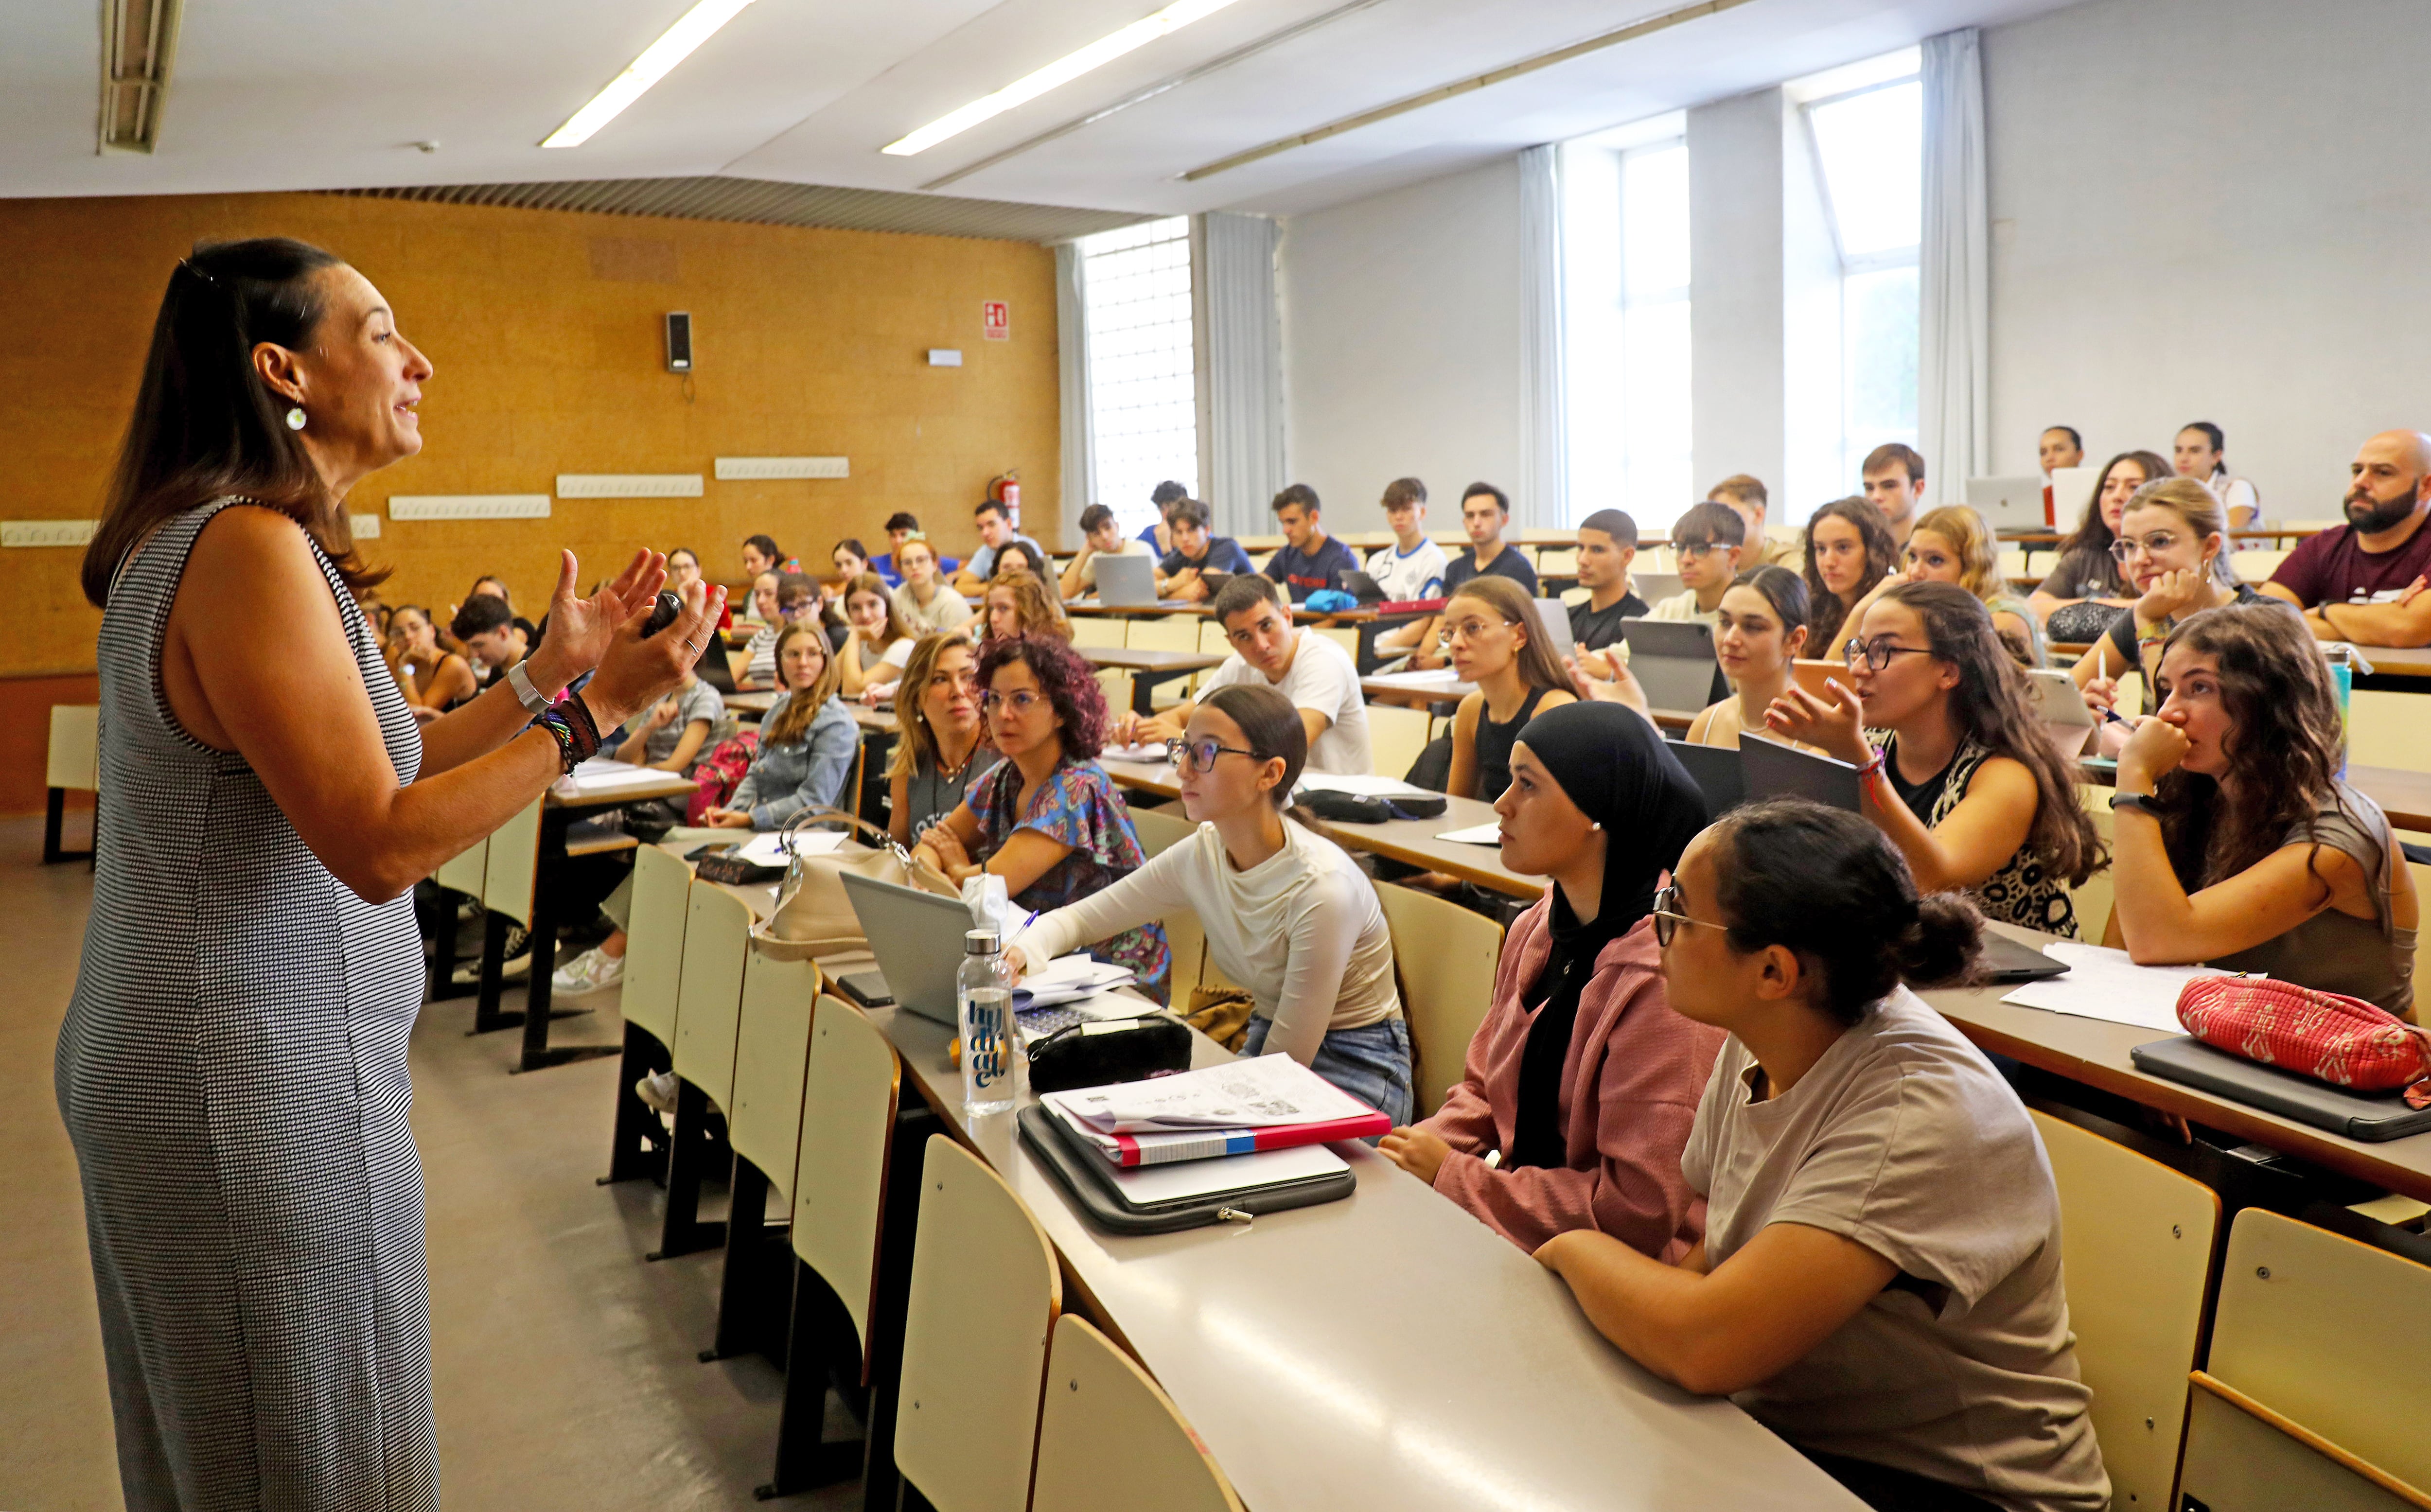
2363,581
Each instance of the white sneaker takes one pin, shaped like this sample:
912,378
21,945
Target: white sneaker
588,973
658,1092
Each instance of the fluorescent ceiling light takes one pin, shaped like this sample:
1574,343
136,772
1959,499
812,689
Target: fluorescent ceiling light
657,61
1063,71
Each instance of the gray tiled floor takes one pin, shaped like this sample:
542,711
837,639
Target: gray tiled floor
565,1367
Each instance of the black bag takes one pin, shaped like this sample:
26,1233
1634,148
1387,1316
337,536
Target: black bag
727,868
1350,808
1098,1053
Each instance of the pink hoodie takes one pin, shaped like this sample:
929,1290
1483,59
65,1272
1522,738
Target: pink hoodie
1630,1086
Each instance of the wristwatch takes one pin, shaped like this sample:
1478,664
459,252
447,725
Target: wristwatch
530,696
2141,803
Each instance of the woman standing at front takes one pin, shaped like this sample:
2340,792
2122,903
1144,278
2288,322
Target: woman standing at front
232,1070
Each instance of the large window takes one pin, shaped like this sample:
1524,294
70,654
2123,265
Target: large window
1143,388
1869,149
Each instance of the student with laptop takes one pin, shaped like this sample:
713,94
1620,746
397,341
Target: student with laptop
1879,1280
1894,477
1484,513
1607,547
1196,552
1953,545
2085,589
2236,843
1312,671
2170,539
1496,642
880,643
1848,551
995,530
1158,533
1760,630
1705,542
941,746
1099,537
1578,1088
1968,785
1746,494
2201,454
1046,819
1310,561
1288,916
925,601
2361,582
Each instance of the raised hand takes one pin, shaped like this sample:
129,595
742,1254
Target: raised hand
582,629
1838,726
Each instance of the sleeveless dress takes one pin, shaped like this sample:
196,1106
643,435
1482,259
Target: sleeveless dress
1493,743
2023,891
232,1074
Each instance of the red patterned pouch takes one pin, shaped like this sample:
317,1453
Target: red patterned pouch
2343,1041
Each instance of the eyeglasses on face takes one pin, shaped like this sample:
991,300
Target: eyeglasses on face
1694,551
1473,626
1877,654
2160,543
1668,917
1019,702
1199,755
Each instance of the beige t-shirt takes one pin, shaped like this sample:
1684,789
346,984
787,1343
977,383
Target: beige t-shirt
1682,607
1904,1139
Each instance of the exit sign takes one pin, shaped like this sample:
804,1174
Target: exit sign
995,319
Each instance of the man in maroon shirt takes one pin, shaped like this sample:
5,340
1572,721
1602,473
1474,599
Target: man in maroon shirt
2363,582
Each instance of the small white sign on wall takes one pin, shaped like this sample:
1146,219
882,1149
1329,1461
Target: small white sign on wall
629,485
468,507
752,469
367,527
47,532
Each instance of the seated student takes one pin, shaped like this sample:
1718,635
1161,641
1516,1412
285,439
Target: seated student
1849,552
1879,1280
2083,591
1705,542
1287,915
1607,550
2236,843
1195,553
1581,1077
943,747
1746,494
486,625
994,524
1967,786
2200,455
1894,485
1497,642
2359,582
873,654
1953,545
1312,671
433,680
2170,538
1484,513
1020,556
1100,536
926,601
1310,561
901,527
671,734
762,554
808,742
760,657
1046,819
1412,568
496,587
1159,534
1018,604
683,570
851,561
1759,631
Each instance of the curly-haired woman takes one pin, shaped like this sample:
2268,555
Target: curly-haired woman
1047,819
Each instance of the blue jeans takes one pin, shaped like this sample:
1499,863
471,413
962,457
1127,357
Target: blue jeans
1372,1063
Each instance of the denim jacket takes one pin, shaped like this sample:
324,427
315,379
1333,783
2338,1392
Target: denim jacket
808,773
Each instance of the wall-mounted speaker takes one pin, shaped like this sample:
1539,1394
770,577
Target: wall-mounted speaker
679,341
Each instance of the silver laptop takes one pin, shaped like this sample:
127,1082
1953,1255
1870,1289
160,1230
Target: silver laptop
1654,587
1673,661
1555,616
1127,583
917,938
2008,503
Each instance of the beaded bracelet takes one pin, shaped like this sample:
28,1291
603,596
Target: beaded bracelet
569,723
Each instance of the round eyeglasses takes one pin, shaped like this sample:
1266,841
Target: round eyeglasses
1877,654
1668,917
1199,755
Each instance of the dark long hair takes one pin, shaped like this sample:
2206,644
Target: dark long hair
2092,530
1272,726
1992,709
2284,741
1824,607
205,424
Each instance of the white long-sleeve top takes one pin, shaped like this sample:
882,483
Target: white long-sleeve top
1301,930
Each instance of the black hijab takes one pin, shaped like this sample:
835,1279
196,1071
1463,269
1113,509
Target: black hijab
1611,764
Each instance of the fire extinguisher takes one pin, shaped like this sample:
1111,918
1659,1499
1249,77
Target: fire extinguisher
1006,489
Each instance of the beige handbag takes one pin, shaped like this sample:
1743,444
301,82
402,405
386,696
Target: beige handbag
813,916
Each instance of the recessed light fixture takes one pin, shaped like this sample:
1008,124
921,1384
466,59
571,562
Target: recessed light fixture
657,61
1063,71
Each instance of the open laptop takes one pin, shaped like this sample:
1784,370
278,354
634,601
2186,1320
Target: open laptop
2008,503
1654,587
1673,661
917,938
1127,583
2071,490
1554,616
1717,772
1775,770
1360,586
2061,708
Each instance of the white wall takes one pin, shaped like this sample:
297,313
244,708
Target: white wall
1734,236
1400,318
2211,209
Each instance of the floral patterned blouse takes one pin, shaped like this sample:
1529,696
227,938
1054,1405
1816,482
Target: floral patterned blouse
1079,806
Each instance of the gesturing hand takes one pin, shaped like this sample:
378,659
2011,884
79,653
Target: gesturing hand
580,629
634,672
1838,726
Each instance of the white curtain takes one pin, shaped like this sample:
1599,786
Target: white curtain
1953,385
1244,445
1543,452
1072,382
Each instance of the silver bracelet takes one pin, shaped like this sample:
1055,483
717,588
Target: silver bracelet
530,696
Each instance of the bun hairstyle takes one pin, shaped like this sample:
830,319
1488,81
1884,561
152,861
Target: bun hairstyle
1829,885
1784,590
1272,728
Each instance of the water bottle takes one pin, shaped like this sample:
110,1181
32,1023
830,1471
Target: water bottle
983,1014
2341,658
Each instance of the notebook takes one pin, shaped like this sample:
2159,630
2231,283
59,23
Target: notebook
2371,1117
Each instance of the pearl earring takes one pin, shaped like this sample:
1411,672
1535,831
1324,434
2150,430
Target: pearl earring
295,417
1595,824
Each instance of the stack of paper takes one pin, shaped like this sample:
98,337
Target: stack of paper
1068,979
1361,783
2106,984
600,777
1146,750
1257,1103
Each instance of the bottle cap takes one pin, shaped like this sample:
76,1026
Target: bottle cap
980,942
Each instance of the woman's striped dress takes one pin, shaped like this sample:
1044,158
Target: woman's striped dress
233,1073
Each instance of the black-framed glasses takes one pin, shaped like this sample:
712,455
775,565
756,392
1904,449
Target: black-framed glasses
1696,550
1668,917
1200,754
1877,654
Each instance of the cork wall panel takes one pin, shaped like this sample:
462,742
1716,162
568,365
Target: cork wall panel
544,332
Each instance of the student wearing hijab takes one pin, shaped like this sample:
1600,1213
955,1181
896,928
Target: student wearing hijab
1582,1084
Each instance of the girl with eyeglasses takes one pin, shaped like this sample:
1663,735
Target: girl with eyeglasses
2170,537
1578,1088
1879,1280
1287,915
1495,640
1758,630
2085,589
1968,785
943,745
1046,819
1849,552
